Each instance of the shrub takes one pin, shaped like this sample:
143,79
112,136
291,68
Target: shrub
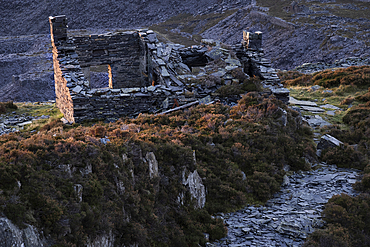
264,185
245,85
344,156
5,106
347,101
332,236
303,80
348,219
229,90
233,150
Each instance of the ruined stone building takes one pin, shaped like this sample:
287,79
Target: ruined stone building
145,75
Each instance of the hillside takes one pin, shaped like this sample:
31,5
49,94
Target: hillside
150,181
31,17
167,180
161,180
294,33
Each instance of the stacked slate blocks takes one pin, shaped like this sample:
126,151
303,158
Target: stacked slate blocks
123,52
252,41
252,56
58,27
146,76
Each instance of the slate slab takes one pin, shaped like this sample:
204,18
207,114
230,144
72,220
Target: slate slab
312,109
294,101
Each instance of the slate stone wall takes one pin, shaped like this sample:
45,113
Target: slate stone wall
124,52
114,105
78,102
148,76
58,28
63,97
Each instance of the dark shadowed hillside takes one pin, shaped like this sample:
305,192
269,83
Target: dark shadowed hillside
31,17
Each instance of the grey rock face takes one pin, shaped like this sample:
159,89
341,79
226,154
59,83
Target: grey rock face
78,188
153,164
293,213
26,69
11,235
197,189
115,14
328,141
106,240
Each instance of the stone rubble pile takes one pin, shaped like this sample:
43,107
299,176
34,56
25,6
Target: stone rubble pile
315,121
293,213
12,122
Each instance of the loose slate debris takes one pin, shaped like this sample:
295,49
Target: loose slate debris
293,213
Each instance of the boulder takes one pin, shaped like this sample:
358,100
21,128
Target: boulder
153,164
328,141
197,189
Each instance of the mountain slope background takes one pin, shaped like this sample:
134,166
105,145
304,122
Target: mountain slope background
31,17
294,32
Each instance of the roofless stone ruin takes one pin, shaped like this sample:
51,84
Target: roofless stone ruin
147,76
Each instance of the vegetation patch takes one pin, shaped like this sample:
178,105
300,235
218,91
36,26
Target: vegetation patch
346,217
7,106
77,182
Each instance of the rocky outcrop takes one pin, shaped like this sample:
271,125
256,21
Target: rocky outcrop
328,141
78,188
11,235
106,240
153,164
196,189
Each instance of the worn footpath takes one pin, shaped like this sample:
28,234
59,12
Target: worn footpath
295,212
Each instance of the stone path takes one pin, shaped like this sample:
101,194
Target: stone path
292,214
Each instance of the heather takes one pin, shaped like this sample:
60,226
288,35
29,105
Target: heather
352,76
346,217
239,152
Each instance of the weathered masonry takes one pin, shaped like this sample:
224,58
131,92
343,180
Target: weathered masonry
145,75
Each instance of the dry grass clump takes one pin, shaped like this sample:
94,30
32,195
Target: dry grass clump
352,76
5,106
